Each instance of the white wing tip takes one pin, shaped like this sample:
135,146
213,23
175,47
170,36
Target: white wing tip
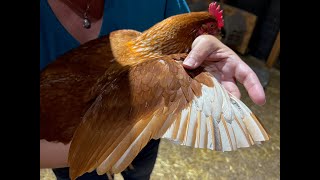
238,127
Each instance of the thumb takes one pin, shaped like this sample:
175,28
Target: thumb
202,47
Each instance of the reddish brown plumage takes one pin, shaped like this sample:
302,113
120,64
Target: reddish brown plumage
65,83
112,95
64,88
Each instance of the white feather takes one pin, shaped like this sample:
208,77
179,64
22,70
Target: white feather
217,120
202,131
192,124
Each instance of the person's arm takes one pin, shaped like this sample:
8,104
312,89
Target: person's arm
53,155
226,65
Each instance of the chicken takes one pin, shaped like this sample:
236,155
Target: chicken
110,96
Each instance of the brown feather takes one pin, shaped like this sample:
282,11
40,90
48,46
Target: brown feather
64,83
102,120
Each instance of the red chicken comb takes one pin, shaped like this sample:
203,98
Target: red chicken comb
215,11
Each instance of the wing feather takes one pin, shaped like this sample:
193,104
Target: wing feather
229,123
179,106
127,114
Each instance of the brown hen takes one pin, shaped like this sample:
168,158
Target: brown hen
110,96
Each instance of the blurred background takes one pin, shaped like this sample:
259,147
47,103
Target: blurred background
252,29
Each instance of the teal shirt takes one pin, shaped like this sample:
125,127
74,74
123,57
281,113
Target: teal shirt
125,14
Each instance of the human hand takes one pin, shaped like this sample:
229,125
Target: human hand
226,66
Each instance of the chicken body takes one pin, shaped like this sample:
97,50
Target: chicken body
110,96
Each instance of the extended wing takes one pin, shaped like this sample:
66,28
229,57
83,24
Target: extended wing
153,99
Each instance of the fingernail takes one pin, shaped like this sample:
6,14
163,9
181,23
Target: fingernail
264,102
189,62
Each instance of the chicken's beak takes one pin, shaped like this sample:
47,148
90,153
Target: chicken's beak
221,35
